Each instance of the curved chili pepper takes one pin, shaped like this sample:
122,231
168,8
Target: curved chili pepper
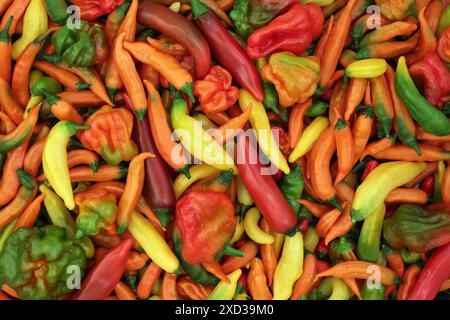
9,103
177,27
104,276
158,188
263,189
226,50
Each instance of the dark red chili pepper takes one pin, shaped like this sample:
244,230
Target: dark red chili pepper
303,226
370,165
104,276
227,50
428,185
263,189
292,31
322,249
180,29
435,272
158,187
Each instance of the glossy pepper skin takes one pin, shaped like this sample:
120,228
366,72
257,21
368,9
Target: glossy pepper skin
291,185
226,50
205,220
93,9
434,75
158,187
435,272
370,235
104,276
263,189
430,118
75,47
249,15
417,229
41,258
110,134
177,27
195,271
292,31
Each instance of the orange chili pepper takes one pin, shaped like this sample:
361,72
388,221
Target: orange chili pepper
345,192
268,255
189,289
215,268
9,103
66,78
82,156
318,50
123,292
231,264
257,281
136,261
33,158
433,14
353,285
326,221
105,172
169,287
341,226
378,146
426,43
148,280
230,129
409,279
81,99
296,121
7,124
29,216
395,262
168,45
407,195
404,153
426,136
337,99
16,9
4,4
64,110
303,285
5,52
316,209
344,146
219,118
355,94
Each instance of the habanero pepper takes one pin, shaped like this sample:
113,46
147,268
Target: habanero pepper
158,188
180,29
226,49
263,189
104,276
292,31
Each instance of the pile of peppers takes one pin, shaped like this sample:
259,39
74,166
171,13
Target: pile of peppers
224,150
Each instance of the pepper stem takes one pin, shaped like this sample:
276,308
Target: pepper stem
198,8
163,215
185,171
230,251
4,34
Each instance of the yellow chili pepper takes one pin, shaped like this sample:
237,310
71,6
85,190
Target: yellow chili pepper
226,291
243,196
35,22
311,239
54,159
260,122
153,243
437,193
6,232
367,68
309,138
289,268
379,182
238,231
334,289
207,124
253,230
196,172
196,140
279,241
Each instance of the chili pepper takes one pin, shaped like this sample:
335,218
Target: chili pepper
57,11
430,119
20,134
218,183
226,291
23,198
281,34
367,68
101,46
409,281
197,172
335,44
425,229
427,40
268,255
260,122
428,185
114,21
30,214
81,99
257,282
149,238
189,289
185,127
289,268
388,32
60,217
379,183
394,260
370,165
295,78
271,204
28,249
345,148
66,78
315,208
55,159
406,195
253,231
148,280
379,146
382,102
106,273
250,250
434,273
304,283
4,5
93,9
178,28
230,129
5,51
370,235
296,119
226,50
318,108
123,292
400,152
291,185
17,10
9,103
354,96
387,49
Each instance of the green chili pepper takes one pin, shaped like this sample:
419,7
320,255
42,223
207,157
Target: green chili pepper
291,186
373,293
25,254
195,271
57,11
45,84
60,216
369,238
430,118
318,108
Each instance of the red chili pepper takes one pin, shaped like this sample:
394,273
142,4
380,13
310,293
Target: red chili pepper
180,29
158,187
104,276
322,266
370,165
428,185
206,222
303,226
263,189
435,272
435,77
93,9
322,249
292,31
226,49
